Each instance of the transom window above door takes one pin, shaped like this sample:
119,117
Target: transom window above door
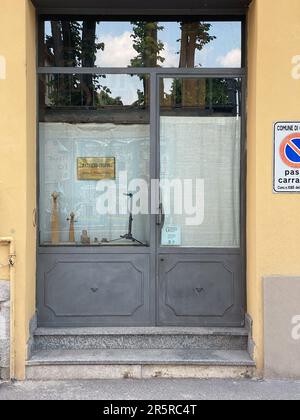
89,42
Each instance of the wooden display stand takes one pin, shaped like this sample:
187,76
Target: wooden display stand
72,228
55,220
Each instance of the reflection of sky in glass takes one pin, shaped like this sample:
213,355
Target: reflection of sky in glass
224,51
124,86
228,39
119,51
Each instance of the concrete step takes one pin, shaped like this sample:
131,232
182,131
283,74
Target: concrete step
140,338
137,364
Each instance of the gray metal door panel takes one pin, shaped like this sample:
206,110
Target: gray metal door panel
98,290
200,290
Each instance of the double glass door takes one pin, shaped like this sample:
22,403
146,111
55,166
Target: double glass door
141,200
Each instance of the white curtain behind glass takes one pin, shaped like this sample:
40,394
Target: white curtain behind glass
60,145
207,148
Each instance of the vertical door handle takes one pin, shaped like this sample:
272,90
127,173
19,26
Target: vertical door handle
161,216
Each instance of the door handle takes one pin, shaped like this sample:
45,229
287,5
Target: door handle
161,216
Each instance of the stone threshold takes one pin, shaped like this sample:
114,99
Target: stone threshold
69,331
141,357
138,364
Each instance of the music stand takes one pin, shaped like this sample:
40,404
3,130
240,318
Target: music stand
128,235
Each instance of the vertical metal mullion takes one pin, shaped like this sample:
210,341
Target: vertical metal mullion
153,175
243,191
158,78
158,160
81,90
70,90
153,149
244,42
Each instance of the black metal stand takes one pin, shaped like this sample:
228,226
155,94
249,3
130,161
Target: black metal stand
129,236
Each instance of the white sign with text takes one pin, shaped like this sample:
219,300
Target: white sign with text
286,157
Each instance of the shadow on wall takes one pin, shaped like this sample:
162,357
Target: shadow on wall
2,68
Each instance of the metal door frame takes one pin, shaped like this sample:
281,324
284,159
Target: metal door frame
154,250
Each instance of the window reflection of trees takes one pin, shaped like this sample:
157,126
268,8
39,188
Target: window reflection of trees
75,44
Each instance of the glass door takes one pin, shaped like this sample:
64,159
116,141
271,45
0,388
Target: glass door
199,250
111,126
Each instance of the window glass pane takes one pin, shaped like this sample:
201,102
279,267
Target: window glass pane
200,132
93,135
68,93
90,43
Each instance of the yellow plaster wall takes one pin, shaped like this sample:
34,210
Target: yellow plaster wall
4,255
17,154
273,225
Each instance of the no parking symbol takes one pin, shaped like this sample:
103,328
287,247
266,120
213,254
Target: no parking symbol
287,157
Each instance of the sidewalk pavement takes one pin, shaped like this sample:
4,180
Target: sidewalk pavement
158,389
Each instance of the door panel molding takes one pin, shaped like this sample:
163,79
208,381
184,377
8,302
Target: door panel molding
200,290
103,290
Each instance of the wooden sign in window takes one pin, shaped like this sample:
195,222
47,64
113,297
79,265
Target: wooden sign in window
96,168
